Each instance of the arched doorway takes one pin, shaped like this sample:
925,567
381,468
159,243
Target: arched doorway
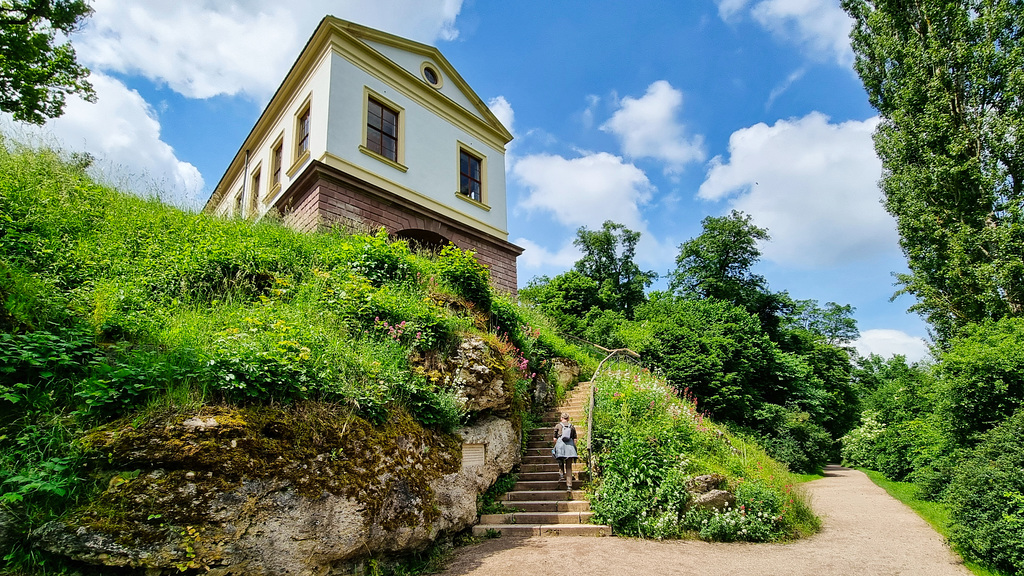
423,239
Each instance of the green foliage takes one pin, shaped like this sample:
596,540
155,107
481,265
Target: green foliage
469,278
607,259
649,443
490,501
758,516
791,437
945,78
716,264
36,74
566,298
110,303
983,372
987,497
834,323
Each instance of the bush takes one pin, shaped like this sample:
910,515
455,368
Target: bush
648,443
470,279
983,374
987,499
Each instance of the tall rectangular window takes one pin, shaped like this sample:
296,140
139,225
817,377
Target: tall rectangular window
382,130
470,176
276,157
302,133
254,193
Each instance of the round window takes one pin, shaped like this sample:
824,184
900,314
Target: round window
430,75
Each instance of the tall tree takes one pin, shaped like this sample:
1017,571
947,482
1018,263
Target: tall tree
945,75
37,73
608,259
718,264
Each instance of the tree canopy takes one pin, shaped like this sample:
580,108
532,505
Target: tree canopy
608,259
36,72
946,79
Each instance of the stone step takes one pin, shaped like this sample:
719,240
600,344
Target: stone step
550,505
549,476
537,518
542,485
480,530
535,495
549,465
546,443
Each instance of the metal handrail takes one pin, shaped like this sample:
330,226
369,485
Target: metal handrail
593,393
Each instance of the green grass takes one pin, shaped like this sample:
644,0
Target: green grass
114,305
801,478
649,443
936,514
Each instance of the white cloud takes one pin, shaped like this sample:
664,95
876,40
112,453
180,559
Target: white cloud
890,342
208,48
584,191
647,127
813,184
727,9
503,111
121,131
819,27
587,116
537,257
785,85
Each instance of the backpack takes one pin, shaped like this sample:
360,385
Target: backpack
566,432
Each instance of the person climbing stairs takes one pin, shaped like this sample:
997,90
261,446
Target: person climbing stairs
544,506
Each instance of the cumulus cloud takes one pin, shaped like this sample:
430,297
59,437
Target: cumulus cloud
813,184
648,127
584,191
123,134
891,342
501,108
537,257
819,27
207,48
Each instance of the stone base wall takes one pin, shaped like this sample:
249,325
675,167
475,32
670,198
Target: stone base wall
324,195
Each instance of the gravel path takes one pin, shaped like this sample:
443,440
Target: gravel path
864,532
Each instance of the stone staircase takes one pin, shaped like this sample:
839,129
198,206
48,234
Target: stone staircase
545,507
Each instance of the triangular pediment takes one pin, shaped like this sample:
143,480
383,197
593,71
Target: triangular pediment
411,57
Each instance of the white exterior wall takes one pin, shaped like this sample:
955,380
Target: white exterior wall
412,63
315,90
430,145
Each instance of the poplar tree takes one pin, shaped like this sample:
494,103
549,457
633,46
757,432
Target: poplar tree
947,78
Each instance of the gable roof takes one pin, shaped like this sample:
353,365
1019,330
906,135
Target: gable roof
354,42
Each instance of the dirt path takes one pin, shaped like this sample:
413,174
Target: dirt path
865,532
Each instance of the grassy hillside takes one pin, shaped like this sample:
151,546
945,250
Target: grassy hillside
113,305
650,442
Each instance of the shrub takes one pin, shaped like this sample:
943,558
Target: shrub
649,443
470,279
983,374
986,498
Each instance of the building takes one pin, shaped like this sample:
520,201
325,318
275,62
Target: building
372,129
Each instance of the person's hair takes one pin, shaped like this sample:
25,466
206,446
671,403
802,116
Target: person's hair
565,415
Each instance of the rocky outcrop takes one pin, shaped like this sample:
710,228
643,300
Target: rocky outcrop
565,371
480,380
706,492
297,490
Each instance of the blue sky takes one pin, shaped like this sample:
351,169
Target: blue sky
654,114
